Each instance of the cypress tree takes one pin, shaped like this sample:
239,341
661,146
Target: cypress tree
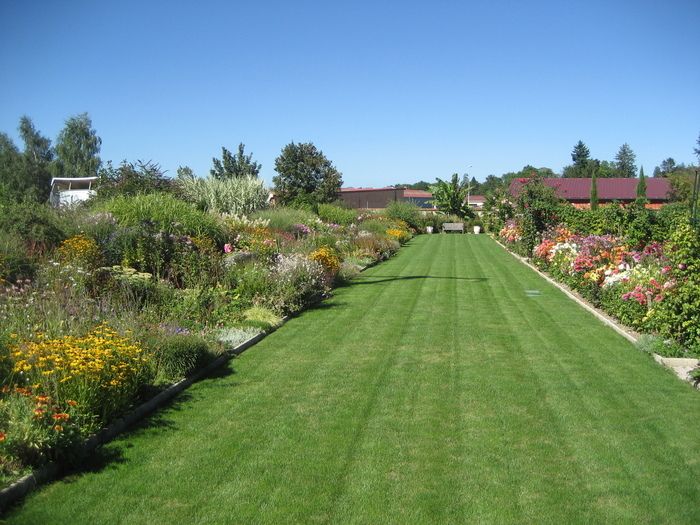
594,192
642,186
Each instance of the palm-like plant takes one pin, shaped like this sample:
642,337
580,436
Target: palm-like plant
450,197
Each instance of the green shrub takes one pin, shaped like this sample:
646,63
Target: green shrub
406,212
15,262
378,226
678,315
436,220
286,219
38,225
161,212
31,435
178,355
664,347
253,281
336,214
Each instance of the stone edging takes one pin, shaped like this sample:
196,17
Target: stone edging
680,366
50,471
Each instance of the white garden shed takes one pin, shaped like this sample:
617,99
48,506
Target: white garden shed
66,191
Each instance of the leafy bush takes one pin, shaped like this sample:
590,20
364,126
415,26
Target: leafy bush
654,344
15,263
376,247
164,213
298,282
336,215
286,219
178,355
237,195
131,179
406,212
39,226
377,225
678,316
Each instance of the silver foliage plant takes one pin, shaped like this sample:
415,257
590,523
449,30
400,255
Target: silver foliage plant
237,196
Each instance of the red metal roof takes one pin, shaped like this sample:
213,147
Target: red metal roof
609,189
417,194
367,189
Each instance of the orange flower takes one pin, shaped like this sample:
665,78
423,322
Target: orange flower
61,417
42,399
2,436
72,403
58,428
38,412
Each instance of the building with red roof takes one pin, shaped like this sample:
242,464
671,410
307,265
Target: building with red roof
379,198
617,189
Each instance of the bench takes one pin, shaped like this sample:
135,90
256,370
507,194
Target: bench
453,227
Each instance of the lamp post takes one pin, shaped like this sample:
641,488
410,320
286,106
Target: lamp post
469,186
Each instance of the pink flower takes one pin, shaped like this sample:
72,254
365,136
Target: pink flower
228,248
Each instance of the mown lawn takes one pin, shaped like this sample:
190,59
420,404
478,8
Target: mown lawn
438,388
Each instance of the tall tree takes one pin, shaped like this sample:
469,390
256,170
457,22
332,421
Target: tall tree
78,148
594,192
305,176
641,186
625,162
491,184
450,197
12,186
580,155
37,157
131,179
236,165
667,166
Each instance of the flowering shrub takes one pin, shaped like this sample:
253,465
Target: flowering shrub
511,232
102,371
402,236
638,287
293,282
301,229
34,428
328,258
79,250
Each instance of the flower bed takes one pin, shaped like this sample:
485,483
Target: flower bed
652,288
144,292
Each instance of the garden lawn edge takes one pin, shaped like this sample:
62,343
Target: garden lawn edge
49,472
680,370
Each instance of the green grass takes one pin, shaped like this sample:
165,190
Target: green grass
435,389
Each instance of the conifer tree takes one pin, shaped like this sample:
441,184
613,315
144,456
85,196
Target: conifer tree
642,185
594,192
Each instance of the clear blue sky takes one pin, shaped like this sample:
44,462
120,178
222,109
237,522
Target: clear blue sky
390,91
